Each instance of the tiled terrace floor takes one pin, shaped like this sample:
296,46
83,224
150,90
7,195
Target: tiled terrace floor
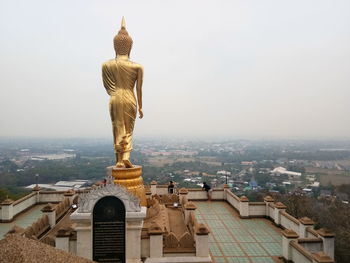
23,220
233,239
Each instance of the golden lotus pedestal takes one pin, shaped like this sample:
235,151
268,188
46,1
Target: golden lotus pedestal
131,179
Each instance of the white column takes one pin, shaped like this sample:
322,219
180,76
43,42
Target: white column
84,235
304,223
134,224
36,190
328,242
190,207
7,210
70,194
202,241
279,207
226,188
244,207
287,236
62,240
268,200
49,210
156,241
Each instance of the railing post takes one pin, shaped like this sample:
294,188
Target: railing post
49,210
226,188
244,207
70,195
328,241
189,207
7,210
148,193
62,240
183,192
268,200
36,190
156,240
154,187
202,241
279,207
287,237
304,223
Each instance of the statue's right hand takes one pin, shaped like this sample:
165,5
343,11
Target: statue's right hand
140,113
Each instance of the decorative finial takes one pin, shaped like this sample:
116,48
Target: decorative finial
123,23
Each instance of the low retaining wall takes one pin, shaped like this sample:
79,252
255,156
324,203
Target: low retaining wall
9,209
199,194
289,222
299,254
257,209
232,199
51,196
24,203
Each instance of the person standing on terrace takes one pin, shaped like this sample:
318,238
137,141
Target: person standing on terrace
171,187
208,189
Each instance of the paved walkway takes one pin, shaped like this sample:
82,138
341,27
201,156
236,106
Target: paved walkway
237,240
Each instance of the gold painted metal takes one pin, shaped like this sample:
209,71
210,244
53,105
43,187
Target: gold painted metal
120,75
131,179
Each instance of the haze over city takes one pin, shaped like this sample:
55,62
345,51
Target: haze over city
220,68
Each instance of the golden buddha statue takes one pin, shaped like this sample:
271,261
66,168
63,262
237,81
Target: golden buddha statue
119,78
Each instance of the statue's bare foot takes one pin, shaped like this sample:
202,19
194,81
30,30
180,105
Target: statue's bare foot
120,165
128,164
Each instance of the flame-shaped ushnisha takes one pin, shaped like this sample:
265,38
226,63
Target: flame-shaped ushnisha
122,41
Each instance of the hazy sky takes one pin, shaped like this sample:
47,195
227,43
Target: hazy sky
220,68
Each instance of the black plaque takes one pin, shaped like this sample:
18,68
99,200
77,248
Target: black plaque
108,233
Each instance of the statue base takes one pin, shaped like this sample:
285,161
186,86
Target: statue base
131,179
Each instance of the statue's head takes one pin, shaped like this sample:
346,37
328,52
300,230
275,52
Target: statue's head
122,41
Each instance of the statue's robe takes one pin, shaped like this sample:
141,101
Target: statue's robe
119,77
